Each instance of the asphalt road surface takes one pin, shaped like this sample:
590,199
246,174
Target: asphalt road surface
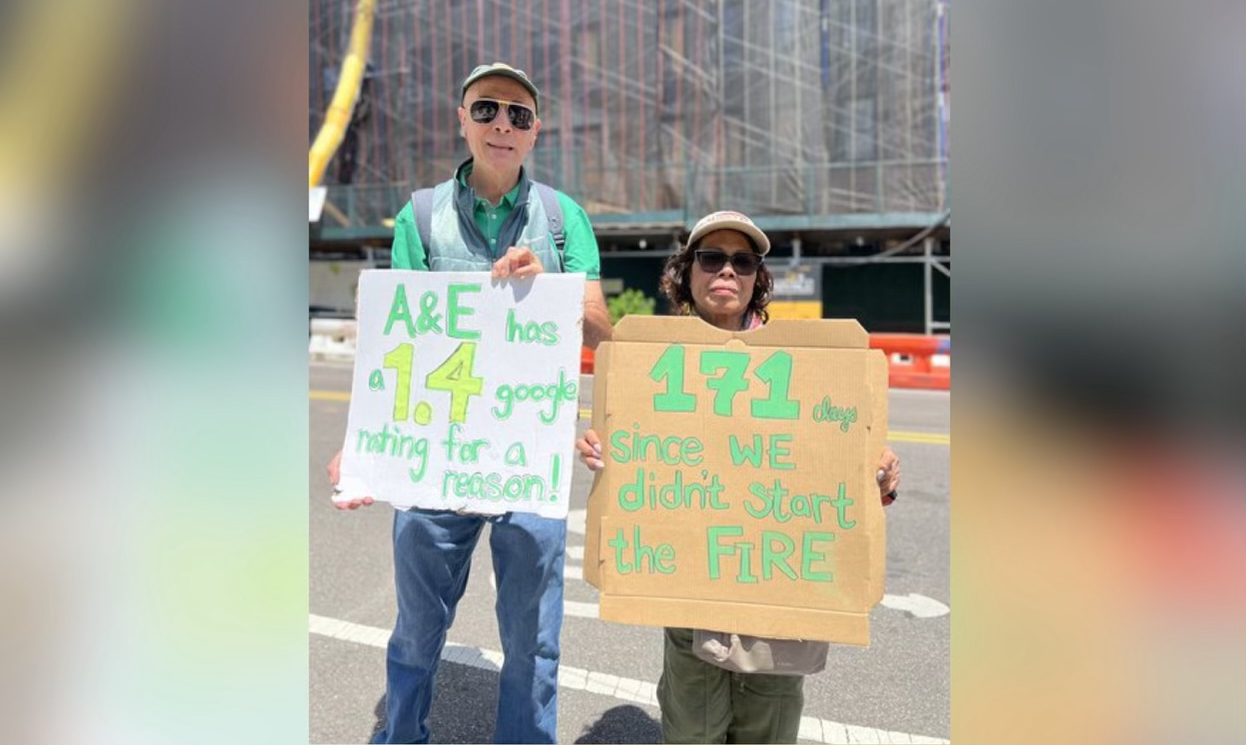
898,690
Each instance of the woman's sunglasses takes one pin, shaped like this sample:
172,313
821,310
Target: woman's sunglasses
485,110
712,260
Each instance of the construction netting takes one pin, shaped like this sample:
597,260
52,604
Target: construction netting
654,106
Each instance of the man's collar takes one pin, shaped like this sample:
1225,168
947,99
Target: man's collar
509,198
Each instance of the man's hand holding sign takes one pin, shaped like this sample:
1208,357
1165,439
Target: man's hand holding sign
466,390
519,263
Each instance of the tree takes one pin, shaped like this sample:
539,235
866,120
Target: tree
630,302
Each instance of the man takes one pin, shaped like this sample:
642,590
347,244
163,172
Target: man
488,217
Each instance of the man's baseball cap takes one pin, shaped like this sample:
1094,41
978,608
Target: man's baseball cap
727,220
501,68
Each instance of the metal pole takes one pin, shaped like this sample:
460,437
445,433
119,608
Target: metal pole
773,84
929,272
852,103
938,100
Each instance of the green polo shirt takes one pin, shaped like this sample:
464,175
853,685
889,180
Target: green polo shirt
579,254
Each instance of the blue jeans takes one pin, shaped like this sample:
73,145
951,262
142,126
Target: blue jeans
432,559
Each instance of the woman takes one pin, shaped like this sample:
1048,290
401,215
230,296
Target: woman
720,276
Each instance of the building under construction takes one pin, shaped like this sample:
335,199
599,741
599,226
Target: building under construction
824,120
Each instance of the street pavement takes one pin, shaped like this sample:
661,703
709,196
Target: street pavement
897,690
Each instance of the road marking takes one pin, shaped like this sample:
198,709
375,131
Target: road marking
577,522
335,364
329,395
921,438
579,679
580,610
862,734
919,605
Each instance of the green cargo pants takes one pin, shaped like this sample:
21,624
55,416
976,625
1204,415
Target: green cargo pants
702,703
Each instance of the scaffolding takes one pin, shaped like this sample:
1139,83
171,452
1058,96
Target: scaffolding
772,106
812,116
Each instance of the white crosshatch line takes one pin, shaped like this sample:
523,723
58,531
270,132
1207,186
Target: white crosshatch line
812,729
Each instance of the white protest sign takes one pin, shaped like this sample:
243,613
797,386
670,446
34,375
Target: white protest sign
466,392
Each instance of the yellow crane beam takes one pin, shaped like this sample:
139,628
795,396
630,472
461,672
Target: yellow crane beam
337,118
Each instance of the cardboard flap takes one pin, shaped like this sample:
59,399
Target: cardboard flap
824,333
878,382
740,618
598,492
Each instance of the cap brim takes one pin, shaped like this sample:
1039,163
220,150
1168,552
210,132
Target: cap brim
760,241
527,84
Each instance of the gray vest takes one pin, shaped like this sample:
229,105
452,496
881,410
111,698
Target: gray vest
454,243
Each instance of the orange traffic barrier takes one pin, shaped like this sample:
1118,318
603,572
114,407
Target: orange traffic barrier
910,357
586,361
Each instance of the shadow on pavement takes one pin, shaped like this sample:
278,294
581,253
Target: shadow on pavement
379,713
464,705
465,708
625,723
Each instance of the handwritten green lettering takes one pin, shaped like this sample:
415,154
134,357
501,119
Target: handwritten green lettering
731,382
491,487
455,311
530,332
809,555
678,494
826,412
717,549
554,394
670,450
776,549
670,367
660,558
394,444
773,501
399,310
770,558
841,504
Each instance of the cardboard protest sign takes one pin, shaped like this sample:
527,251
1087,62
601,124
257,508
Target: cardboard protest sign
466,392
739,491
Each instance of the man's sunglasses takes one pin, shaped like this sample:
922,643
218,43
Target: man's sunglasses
485,110
712,260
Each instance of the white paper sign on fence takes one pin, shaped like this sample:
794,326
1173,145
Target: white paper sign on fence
466,392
